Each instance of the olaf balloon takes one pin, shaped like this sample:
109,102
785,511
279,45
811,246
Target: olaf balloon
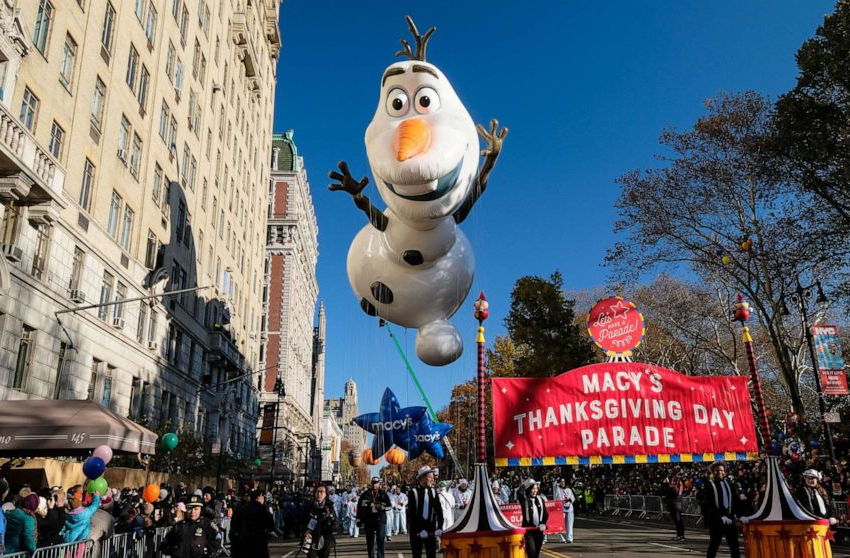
411,265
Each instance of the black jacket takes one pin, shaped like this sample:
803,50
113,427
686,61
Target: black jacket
190,539
326,522
713,505
249,530
416,521
808,499
526,504
371,508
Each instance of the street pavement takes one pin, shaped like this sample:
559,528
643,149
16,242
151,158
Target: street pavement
594,538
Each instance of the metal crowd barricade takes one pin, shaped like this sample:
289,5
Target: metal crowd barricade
637,504
840,508
691,508
653,507
608,503
81,549
118,546
22,554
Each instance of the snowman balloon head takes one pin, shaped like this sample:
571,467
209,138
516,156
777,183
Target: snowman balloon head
412,265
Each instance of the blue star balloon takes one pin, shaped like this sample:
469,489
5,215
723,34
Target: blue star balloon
426,436
391,425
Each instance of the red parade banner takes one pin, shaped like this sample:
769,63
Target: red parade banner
622,412
555,525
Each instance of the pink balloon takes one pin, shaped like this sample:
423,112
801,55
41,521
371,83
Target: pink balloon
103,452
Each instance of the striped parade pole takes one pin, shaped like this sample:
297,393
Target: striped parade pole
742,314
481,313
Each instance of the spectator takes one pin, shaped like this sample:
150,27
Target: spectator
102,523
21,530
4,491
78,518
250,528
50,519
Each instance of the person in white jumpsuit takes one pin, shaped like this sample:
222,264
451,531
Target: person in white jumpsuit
563,492
447,502
463,495
399,501
351,514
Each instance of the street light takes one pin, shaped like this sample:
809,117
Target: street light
800,296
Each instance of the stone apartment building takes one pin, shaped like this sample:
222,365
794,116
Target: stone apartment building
135,137
292,392
344,409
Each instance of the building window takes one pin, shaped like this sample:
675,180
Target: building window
140,10
106,396
118,307
172,135
132,68
60,369
184,25
127,228
151,250
57,137
95,373
77,269
144,84
164,114
105,294
204,195
42,246
175,8
87,185
181,221
114,213
152,327
29,109
11,225
170,62
140,326
108,27
26,347
136,156
97,103
156,187
124,139
42,25
66,66
150,24
135,395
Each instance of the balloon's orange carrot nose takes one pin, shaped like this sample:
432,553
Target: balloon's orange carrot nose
412,138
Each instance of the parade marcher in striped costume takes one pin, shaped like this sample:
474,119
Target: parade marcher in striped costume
424,515
814,498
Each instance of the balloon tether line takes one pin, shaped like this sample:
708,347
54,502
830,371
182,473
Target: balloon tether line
384,323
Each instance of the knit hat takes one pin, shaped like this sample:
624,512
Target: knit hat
30,502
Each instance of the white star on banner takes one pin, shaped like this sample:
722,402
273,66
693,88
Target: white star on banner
504,390
732,388
509,445
744,440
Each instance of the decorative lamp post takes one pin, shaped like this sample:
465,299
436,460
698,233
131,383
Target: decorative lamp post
742,314
481,313
800,297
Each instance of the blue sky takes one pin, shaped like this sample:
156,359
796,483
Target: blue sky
585,88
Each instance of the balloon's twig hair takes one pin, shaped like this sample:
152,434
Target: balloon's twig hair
421,42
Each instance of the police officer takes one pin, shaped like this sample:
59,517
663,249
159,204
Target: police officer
194,537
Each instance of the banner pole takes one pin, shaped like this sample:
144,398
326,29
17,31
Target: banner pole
481,313
742,314
404,358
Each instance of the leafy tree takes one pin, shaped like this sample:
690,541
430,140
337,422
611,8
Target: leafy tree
717,188
541,325
812,120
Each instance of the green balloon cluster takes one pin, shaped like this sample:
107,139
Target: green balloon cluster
258,462
170,441
98,485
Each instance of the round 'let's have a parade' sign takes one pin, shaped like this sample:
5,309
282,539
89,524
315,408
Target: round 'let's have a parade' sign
615,326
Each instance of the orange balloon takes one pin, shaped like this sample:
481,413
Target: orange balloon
368,459
151,493
394,456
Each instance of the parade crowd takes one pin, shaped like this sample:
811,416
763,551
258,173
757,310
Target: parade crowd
203,522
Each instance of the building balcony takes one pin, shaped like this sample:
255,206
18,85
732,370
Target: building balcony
241,36
29,175
272,29
223,352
